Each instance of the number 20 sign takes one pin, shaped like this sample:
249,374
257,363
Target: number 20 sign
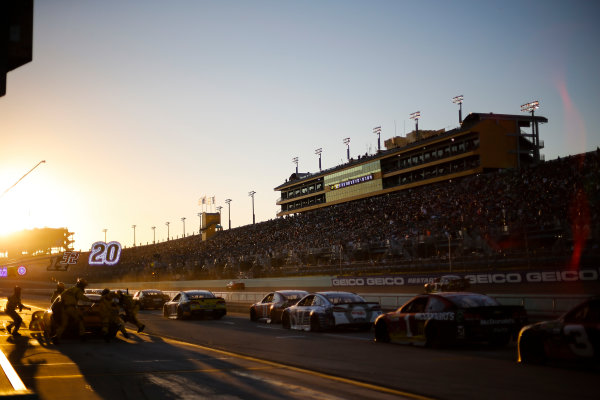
105,253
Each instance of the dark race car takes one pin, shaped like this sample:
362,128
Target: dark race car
49,320
574,337
447,283
328,310
272,305
195,303
150,298
446,318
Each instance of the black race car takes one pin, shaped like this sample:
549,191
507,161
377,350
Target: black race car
272,305
573,337
195,303
150,298
440,319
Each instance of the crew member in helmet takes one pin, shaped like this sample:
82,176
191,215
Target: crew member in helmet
14,302
70,312
131,309
109,314
60,287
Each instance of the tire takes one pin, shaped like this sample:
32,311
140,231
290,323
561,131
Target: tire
165,312
381,333
531,350
253,316
285,321
179,313
315,324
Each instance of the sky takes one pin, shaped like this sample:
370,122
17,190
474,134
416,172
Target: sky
140,108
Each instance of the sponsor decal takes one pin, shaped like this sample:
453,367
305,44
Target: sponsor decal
503,278
439,316
506,321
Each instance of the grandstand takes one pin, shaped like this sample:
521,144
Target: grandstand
543,215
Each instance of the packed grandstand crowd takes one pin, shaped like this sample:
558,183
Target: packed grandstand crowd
541,215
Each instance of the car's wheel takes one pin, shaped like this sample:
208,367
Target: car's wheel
274,317
381,332
285,321
253,316
315,324
179,313
531,350
165,312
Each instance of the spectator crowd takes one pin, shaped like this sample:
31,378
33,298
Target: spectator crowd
547,214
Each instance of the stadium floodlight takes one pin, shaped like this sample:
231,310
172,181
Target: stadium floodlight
183,220
318,152
295,160
458,100
133,226
219,208
228,201
416,115
153,234
377,131
530,107
251,194
347,143
167,224
104,230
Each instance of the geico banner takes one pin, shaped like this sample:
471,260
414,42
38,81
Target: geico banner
474,279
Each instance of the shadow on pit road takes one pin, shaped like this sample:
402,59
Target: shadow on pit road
148,366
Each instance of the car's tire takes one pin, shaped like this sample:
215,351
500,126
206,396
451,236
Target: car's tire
315,324
531,350
285,321
165,312
381,332
253,316
179,313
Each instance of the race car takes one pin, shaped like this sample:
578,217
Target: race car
195,303
574,337
48,321
446,318
326,310
447,283
272,305
150,298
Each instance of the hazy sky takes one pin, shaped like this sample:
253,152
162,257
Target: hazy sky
140,108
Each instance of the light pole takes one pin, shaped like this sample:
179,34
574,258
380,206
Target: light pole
347,143
531,107
318,152
458,100
416,115
228,201
133,226
167,224
104,230
199,223
183,220
377,131
251,194
153,234
295,160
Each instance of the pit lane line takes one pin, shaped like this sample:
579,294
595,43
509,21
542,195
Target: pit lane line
274,364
